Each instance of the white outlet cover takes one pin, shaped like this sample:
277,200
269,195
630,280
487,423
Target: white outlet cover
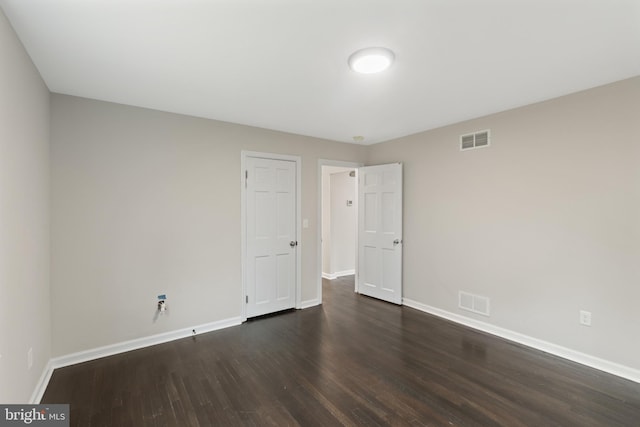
585,318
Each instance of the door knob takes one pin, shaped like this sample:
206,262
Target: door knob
397,242
293,243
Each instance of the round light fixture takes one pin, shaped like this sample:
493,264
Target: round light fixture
371,60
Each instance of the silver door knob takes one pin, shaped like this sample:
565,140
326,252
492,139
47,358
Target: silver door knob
293,243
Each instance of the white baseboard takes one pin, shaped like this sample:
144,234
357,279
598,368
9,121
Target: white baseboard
43,382
331,276
345,273
557,350
109,350
121,347
309,303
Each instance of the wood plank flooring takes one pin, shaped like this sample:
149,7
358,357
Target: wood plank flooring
353,361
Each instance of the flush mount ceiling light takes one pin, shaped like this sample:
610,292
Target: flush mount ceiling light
371,60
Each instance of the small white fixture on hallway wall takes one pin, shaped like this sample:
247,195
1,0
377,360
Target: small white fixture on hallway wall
371,60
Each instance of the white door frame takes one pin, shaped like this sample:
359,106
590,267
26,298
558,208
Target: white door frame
325,162
243,220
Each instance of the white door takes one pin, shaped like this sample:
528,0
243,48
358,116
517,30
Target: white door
271,246
380,232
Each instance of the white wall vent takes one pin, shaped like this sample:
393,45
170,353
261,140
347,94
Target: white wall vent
474,303
475,140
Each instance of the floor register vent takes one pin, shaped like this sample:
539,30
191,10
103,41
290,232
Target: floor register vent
473,303
478,139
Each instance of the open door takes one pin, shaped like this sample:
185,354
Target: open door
380,232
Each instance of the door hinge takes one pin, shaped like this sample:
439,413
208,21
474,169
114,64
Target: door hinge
246,299
246,178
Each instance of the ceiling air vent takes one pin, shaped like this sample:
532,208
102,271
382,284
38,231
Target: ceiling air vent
474,140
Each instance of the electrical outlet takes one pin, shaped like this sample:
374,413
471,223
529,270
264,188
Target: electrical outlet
585,318
30,358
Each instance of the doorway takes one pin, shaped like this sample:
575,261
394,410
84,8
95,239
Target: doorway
270,213
337,213
339,221
378,257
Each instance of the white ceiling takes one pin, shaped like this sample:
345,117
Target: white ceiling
282,64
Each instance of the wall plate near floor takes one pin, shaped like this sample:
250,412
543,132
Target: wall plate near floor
474,303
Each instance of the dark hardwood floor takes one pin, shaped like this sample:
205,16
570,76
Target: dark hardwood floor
353,361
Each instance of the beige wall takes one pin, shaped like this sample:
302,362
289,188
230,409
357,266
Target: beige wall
545,222
146,202
24,220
